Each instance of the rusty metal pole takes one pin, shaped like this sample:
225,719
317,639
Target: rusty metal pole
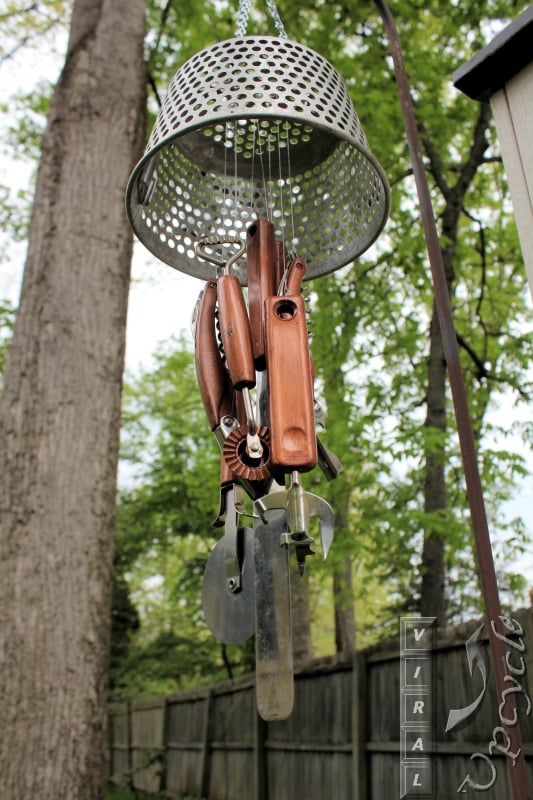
489,586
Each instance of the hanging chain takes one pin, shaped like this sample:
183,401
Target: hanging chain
242,23
244,12
277,19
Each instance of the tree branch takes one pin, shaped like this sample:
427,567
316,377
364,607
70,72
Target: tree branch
152,84
476,156
481,369
18,12
27,40
435,163
162,23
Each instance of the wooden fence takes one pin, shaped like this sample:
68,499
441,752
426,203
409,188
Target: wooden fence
345,738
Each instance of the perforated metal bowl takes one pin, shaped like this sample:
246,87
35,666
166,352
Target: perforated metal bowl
252,127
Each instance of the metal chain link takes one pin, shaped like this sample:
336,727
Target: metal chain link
242,23
277,19
244,12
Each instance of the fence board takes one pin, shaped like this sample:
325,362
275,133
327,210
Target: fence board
343,739
147,719
359,727
119,744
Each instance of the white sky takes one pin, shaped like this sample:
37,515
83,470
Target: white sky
160,306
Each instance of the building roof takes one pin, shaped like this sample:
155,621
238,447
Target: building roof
503,58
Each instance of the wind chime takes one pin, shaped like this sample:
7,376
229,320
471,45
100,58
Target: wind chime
257,174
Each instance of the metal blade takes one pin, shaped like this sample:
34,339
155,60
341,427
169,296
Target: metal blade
314,506
318,507
273,640
328,461
229,613
228,588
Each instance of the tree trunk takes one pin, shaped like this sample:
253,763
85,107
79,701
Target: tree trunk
432,601
344,608
59,418
433,593
343,594
301,614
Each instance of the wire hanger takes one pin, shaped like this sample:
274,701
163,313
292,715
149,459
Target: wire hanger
244,13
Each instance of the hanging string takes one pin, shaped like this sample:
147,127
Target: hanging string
270,178
281,186
292,248
244,13
225,185
262,163
235,176
252,186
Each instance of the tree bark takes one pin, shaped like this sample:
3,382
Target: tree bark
302,646
433,589
344,608
59,417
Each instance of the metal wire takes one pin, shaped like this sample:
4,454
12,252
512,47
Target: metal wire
242,18
244,13
277,19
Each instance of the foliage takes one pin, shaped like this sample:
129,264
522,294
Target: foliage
164,532
371,320
34,30
26,115
26,112
370,349
380,311
26,25
7,320
115,793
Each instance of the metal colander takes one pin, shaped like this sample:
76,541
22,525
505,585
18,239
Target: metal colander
258,126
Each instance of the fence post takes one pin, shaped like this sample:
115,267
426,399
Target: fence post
205,760
359,727
260,755
164,754
128,746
